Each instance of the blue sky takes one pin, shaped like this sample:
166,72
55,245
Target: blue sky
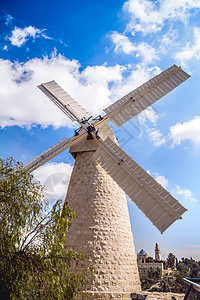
98,51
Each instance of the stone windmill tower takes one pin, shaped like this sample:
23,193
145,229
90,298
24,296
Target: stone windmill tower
103,173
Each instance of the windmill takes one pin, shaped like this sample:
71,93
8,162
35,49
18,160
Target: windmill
103,173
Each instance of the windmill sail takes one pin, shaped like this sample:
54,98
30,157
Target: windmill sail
48,154
142,97
159,206
64,101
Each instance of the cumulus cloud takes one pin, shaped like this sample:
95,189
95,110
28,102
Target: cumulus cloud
142,50
5,48
20,36
122,43
159,178
191,51
168,40
150,17
186,131
55,178
186,194
8,19
23,104
148,114
162,180
156,137
137,76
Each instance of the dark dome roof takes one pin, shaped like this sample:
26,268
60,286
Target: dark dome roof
142,252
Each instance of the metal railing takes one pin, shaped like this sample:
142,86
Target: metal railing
192,288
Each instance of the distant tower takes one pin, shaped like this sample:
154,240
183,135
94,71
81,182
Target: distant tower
157,252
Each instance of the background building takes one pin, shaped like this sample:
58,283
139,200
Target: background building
145,263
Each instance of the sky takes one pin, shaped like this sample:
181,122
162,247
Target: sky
98,51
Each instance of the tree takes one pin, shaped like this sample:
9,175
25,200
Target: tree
164,285
149,259
35,262
154,274
182,268
171,259
145,281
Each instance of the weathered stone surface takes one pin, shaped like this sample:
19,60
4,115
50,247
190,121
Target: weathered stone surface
164,296
116,296
102,230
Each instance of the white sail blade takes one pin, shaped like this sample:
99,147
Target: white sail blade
54,150
142,97
159,206
48,154
64,101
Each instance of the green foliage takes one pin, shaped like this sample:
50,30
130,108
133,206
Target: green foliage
149,259
35,262
145,281
186,268
150,278
189,268
164,285
174,280
154,274
171,259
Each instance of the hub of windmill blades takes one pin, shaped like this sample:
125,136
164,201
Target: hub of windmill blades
92,132
89,128
158,205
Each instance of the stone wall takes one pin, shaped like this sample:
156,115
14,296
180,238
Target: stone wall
149,296
144,268
102,229
163,296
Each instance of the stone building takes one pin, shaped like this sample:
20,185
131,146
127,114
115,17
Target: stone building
142,256
145,265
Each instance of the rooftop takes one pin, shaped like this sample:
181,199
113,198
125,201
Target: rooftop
142,252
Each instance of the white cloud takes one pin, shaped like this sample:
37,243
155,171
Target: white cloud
8,19
148,114
5,48
162,180
147,16
55,177
156,137
186,131
122,43
23,104
159,178
191,50
143,50
185,193
20,36
137,76
168,40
